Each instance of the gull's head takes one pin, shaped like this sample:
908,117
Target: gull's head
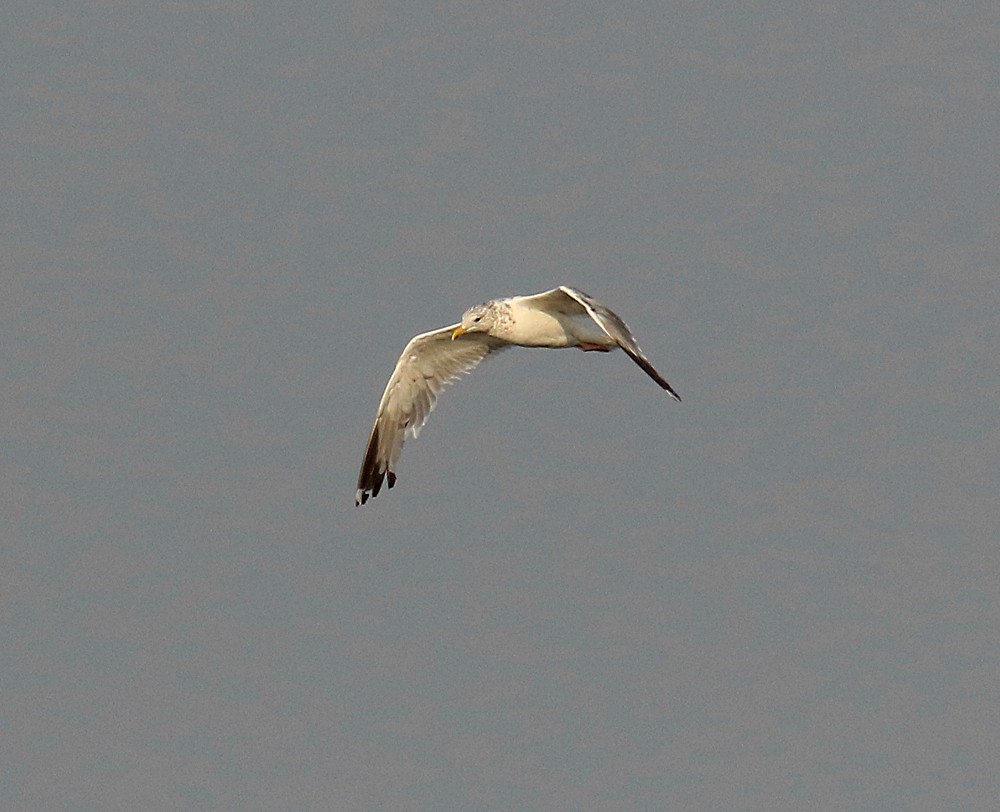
478,319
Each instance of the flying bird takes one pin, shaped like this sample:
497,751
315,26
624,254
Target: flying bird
557,318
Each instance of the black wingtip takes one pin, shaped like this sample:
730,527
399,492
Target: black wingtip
370,484
370,479
650,370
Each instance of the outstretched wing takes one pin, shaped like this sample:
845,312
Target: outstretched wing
428,362
616,329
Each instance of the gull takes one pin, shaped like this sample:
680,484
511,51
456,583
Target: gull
557,318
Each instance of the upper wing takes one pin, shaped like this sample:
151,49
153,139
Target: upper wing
612,324
428,362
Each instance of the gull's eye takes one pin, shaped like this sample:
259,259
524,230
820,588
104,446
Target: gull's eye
477,318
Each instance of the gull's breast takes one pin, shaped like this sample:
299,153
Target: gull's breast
538,328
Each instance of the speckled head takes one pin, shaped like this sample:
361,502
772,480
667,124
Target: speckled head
479,319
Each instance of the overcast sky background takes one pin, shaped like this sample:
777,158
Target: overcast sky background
221,222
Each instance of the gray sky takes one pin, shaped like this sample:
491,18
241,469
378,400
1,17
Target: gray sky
221,223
